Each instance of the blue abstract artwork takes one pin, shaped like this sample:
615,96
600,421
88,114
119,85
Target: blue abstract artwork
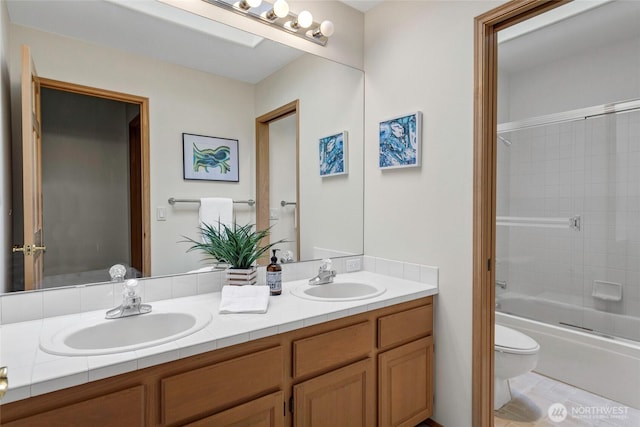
333,154
400,140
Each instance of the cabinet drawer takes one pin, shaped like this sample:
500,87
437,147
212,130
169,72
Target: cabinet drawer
122,408
264,412
332,349
405,326
223,384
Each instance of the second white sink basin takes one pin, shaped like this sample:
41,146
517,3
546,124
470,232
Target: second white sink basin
339,291
107,336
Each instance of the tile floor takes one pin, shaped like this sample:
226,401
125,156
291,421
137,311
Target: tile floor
533,394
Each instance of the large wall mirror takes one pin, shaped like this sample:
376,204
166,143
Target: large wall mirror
200,78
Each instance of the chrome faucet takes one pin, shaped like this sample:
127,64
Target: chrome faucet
325,274
131,302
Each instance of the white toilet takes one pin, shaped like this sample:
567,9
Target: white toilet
515,354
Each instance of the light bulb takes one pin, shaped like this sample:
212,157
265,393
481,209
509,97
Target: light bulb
327,28
248,4
305,19
281,8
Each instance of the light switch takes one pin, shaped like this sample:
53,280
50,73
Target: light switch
161,213
273,214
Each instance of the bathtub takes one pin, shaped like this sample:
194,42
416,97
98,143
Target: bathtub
607,366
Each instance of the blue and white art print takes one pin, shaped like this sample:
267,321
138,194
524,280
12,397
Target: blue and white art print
333,154
400,140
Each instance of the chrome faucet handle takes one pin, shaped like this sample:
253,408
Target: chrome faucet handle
130,288
326,265
117,273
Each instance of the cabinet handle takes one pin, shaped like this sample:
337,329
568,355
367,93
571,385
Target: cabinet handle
4,381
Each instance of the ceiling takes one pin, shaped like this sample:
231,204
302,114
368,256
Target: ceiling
157,30
610,22
362,5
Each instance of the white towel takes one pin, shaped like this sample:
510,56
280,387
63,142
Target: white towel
215,211
244,299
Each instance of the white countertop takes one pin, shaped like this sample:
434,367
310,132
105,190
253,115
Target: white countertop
33,371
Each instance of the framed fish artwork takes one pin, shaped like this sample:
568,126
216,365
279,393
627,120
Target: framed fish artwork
210,158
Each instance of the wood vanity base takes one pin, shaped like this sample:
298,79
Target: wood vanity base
370,369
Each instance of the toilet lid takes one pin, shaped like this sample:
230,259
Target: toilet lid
508,339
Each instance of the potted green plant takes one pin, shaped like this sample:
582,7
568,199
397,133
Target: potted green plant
238,246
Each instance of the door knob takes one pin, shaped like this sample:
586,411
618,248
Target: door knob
28,249
4,381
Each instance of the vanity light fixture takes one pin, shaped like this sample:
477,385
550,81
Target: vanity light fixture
304,20
278,15
325,29
248,4
280,9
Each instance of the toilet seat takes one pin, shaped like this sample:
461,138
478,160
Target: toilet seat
508,340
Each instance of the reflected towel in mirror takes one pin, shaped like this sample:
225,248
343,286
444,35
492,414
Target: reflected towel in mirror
216,210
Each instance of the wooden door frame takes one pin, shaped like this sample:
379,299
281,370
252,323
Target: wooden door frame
262,168
487,26
143,103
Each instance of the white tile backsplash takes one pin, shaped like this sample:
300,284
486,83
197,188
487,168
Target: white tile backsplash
412,272
209,282
184,285
59,302
98,297
383,266
21,307
396,269
157,289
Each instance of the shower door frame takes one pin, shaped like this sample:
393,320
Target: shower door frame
486,28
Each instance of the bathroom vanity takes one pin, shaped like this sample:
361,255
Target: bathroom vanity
373,367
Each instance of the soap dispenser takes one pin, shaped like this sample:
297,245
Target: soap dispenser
274,275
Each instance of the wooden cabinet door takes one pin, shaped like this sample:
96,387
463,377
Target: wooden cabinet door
405,384
266,411
341,398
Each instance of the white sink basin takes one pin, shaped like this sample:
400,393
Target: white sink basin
107,336
338,291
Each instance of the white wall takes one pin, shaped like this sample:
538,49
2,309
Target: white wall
85,183
593,77
419,56
180,100
331,101
5,152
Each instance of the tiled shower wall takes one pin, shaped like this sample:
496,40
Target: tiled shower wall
589,168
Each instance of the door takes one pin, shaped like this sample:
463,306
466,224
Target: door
135,193
405,384
263,166
341,398
33,248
